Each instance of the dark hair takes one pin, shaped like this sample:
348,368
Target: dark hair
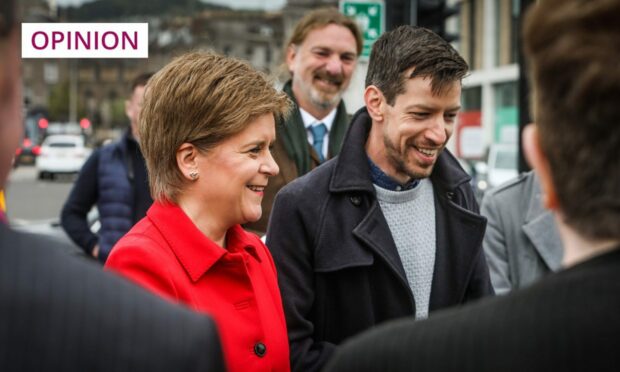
573,54
405,47
320,18
7,17
140,80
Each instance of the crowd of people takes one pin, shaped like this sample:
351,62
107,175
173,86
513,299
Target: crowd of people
376,256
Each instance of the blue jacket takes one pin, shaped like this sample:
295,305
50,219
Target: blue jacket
107,179
116,196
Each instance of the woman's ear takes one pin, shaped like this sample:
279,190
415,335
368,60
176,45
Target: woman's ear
539,162
187,162
375,101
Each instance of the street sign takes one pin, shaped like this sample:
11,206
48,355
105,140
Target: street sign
370,16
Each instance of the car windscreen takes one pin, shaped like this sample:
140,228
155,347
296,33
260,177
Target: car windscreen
62,144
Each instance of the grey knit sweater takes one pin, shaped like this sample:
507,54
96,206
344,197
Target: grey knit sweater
410,216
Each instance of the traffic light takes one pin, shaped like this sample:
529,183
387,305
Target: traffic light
433,15
85,123
43,123
398,13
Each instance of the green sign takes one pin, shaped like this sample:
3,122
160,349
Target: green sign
506,127
370,18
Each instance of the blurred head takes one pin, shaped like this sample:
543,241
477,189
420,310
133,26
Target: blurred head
572,51
413,93
321,55
211,115
133,105
10,88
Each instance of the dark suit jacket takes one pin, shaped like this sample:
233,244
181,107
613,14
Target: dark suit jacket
294,155
567,322
61,313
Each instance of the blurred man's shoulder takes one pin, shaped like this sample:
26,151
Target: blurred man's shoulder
513,186
26,254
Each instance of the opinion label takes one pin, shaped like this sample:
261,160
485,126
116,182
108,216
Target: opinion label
85,40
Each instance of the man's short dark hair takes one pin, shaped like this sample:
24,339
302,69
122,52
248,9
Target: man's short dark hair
405,47
140,80
572,50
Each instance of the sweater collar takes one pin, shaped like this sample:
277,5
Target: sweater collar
352,170
196,252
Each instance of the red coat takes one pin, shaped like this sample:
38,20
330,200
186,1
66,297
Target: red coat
238,287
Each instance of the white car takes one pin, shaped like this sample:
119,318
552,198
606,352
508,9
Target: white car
502,164
61,154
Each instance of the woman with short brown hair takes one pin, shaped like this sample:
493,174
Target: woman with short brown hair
205,130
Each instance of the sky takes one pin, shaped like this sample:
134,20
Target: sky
236,4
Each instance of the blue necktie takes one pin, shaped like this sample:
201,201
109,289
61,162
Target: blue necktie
318,135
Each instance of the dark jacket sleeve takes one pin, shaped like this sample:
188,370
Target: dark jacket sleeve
82,198
480,283
291,241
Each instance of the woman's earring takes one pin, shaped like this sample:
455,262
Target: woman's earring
193,175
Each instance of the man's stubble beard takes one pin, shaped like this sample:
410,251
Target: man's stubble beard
321,100
397,160
324,103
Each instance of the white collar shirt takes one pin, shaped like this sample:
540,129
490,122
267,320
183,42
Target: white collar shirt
310,121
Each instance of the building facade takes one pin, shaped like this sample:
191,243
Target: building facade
489,42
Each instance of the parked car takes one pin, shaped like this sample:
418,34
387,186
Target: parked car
27,152
29,148
502,164
61,153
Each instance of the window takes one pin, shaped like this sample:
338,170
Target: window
506,113
507,26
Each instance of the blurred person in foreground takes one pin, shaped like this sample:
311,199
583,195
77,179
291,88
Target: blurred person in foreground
207,126
321,55
521,243
114,179
60,313
389,228
569,320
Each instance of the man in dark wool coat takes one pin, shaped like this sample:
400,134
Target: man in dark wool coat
390,227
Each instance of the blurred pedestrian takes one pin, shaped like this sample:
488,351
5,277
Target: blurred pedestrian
569,320
390,227
521,243
321,56
207,125
114,179
60,313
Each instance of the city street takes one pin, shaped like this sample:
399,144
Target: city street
30,200
34,206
